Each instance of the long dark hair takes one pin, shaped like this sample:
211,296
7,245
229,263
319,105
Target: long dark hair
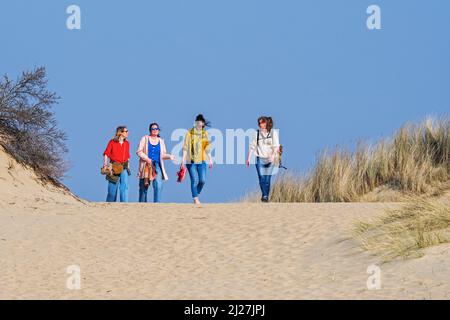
200,117
154,124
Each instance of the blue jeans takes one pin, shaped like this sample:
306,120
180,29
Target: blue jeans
197,173
121,185
157,186
264,175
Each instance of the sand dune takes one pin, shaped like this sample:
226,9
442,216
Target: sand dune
179,251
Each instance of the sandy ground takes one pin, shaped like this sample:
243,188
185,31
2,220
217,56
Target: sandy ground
179,251
219,251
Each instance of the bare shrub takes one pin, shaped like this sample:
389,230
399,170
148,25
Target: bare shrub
28,124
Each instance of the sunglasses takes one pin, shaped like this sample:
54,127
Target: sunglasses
154,129
125,131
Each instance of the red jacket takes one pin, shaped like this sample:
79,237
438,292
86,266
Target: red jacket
117,152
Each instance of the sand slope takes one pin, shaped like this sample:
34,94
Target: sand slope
21,187
235,251
179,251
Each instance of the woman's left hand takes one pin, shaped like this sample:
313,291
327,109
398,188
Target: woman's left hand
210,164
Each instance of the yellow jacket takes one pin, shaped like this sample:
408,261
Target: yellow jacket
197,146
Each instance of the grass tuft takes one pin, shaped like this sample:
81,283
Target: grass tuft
404,232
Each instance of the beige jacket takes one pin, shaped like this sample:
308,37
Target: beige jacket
142,153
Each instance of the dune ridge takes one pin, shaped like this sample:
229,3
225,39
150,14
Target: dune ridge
180,251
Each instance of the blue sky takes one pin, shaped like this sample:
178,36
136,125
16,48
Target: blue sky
313,65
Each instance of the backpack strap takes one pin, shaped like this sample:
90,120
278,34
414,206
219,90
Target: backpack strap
257,139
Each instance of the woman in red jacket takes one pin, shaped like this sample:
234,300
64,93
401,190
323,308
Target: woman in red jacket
118,153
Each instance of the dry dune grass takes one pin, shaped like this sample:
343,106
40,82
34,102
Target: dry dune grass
406,231
415,161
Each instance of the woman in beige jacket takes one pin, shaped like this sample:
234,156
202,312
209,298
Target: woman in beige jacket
152,152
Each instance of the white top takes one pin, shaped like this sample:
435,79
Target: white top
268,143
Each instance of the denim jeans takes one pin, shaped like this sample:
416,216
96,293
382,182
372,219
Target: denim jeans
265,172
197,173
157,186
121,186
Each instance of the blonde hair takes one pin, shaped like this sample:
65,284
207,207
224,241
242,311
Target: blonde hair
119,131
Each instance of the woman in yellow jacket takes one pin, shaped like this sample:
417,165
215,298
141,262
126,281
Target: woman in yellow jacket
196,151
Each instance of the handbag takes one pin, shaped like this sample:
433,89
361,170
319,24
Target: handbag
117,168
